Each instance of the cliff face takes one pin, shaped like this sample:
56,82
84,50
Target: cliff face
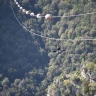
76,83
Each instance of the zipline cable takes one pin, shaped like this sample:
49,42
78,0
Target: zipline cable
47,16
56,39
75,15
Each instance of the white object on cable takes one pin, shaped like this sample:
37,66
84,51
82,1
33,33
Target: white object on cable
38,15
27,12
21,8
17,3
32,14
48,17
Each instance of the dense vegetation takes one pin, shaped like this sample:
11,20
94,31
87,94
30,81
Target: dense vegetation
28,67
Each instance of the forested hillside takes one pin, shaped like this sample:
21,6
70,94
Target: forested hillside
28,65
